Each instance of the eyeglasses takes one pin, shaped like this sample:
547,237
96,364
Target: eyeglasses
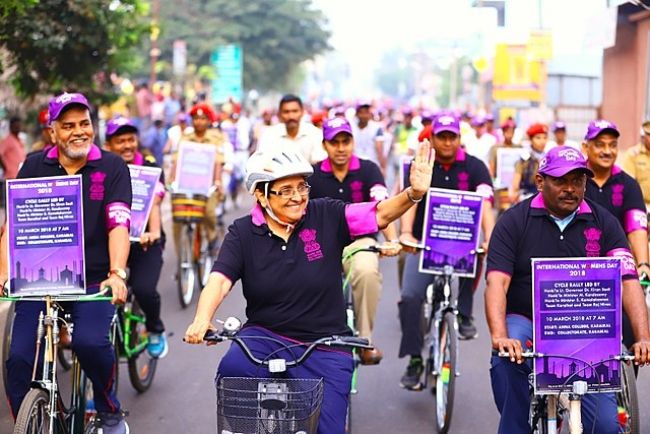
289,192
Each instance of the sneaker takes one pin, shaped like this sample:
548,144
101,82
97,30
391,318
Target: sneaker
157,346
110,423
466,327
411,378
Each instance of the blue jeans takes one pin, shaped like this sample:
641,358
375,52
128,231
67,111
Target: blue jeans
334,367
90,342
512,392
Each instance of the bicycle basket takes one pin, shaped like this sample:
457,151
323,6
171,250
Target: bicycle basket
268,405
188,208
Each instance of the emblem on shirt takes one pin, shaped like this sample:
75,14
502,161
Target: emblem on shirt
312,248
463,181
592,235
97,185
357,191
617,194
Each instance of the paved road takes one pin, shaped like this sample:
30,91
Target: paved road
182,399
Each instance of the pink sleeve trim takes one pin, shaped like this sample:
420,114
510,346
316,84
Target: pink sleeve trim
361,218
635,219
486,191
118,214
160,190
627,261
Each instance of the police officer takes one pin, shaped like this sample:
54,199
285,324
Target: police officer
636,162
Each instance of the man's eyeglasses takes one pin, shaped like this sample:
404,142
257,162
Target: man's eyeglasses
289,192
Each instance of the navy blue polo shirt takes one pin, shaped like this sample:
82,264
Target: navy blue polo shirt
621,195
106,200
467,173
295,288
363,182
527,231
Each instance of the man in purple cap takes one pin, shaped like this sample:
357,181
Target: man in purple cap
619,193
559,131
345,176
146,256
480,143
557,222
368,136
454,170
107,215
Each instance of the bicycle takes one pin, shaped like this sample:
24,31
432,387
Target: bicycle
548,412
440,330
274,405
130,340
351,322
194,256
43,409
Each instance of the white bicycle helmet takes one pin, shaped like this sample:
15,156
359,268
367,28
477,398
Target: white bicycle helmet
267,166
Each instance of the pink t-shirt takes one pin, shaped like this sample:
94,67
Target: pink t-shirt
12,154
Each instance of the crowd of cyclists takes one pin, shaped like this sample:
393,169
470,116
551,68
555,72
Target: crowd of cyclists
324,180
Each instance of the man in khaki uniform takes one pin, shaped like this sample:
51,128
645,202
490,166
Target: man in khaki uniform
636,162
202,118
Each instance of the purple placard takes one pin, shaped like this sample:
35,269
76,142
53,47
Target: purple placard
143,185
577,313
452,225
195,167
405,172
46,236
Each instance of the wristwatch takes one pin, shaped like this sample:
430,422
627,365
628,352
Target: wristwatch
119,272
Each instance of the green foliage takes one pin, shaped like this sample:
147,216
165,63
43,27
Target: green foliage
55,45
276,35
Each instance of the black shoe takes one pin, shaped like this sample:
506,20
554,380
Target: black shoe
411,378
466,327
110,423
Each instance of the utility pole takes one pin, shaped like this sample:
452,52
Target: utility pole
154,53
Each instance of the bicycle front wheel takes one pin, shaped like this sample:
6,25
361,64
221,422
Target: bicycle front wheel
186,268
446,364
627,401
33,415
142,367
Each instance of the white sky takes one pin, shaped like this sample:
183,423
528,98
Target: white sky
363,29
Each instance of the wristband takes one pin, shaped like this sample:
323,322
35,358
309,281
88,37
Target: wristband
408,194
643,263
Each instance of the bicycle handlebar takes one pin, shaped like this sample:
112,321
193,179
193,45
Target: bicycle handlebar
330,341
99,296
623,357
478,251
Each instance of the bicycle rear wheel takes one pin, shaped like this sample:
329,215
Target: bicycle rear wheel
33,415
627,401
445,364
142,367
187,275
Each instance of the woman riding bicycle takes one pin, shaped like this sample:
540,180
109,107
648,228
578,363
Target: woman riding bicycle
288,255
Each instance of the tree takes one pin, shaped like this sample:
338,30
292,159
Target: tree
276,35
55,45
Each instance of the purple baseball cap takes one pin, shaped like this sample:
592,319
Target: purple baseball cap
446,122
477,121
561,160
59,103
333,126
120,125
427,116
600,126
559,125
363,103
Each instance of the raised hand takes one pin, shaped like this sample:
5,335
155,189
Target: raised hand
422,170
